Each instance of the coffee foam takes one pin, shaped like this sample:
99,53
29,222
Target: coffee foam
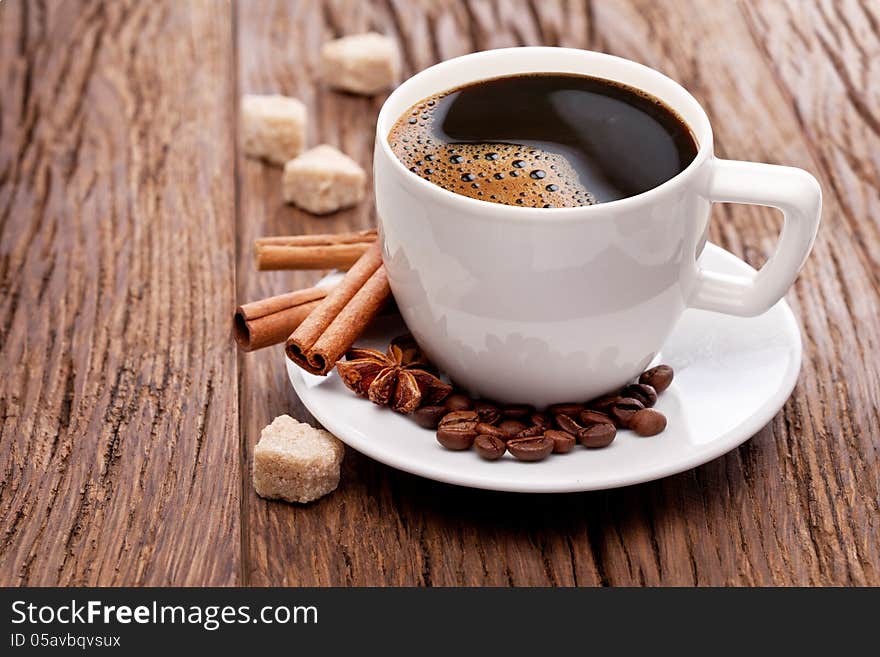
510,174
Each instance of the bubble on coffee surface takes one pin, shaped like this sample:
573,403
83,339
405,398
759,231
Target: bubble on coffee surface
510,174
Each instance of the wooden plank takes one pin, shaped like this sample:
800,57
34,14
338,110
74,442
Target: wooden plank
826,58
795,505
327,542
118,401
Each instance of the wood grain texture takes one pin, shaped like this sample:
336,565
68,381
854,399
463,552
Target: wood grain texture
826,60
778,509
118,409
278,46
127,422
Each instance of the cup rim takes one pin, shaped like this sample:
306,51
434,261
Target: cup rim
515,212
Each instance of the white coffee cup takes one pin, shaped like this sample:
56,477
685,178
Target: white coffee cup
554,305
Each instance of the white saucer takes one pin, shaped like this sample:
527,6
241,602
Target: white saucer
731,377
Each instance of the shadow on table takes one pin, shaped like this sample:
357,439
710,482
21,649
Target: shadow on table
679,499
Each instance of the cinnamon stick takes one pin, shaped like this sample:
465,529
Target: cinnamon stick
331,251
339,319
270,321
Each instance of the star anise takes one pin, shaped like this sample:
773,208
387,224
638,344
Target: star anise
398,378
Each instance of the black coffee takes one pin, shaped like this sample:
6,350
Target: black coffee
543,140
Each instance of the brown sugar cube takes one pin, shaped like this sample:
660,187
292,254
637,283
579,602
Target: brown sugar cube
273,127
296,462
323,180
362,63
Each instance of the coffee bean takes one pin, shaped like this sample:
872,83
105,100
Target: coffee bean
588,418
562,441
454,439
458,402
565,409
641,391
517,411
658,377
494,429
603,403
465,415
598,435
568,424
457,430
533,430
429,416
489,447
511,427
647,422
536,448
623,409
539,420
486,429
487,411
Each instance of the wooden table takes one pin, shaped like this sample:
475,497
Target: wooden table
127,215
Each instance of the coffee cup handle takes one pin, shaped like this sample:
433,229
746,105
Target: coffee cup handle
793,191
